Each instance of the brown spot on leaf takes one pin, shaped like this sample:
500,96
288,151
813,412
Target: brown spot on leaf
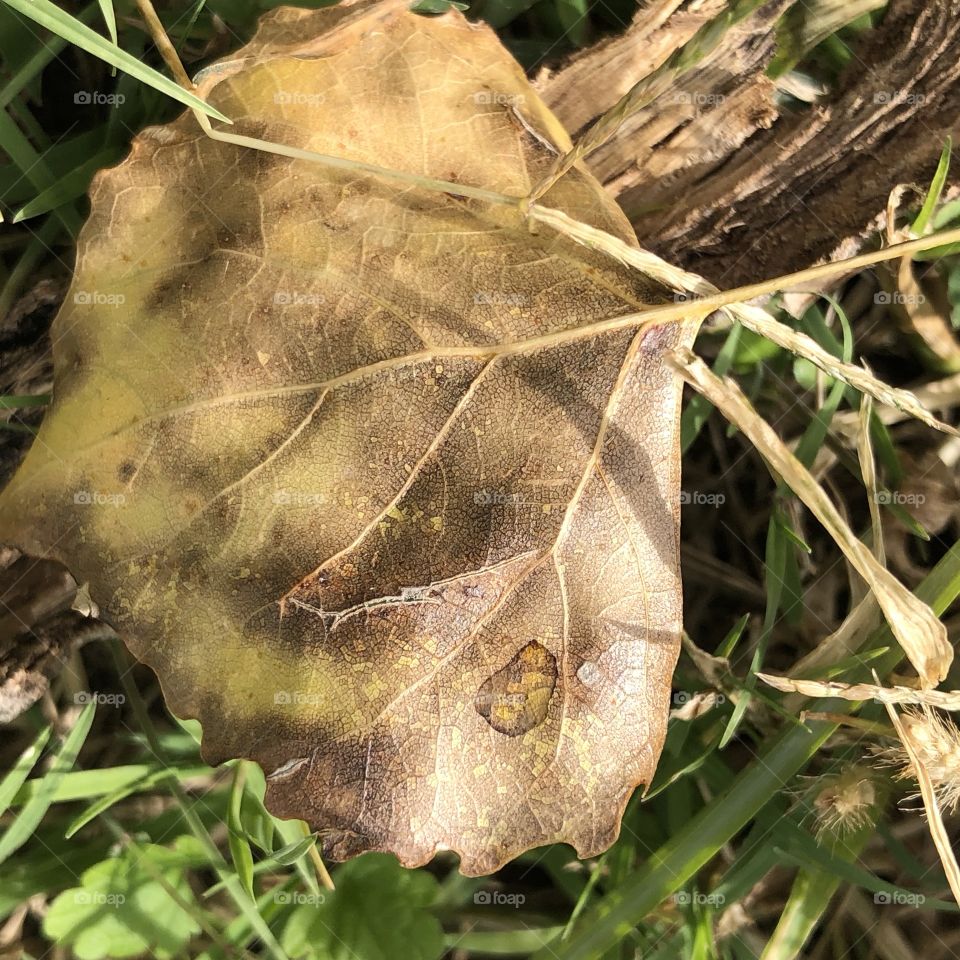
515,699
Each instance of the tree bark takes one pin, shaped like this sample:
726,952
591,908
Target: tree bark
739,191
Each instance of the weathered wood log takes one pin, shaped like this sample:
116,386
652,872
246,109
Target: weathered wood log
740,191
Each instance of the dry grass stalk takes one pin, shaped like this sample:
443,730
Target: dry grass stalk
869,473
943,699
916,627
705,298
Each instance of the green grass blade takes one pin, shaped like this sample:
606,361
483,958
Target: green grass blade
115,796
32,167
88,784
810,855
68,188
60,22
292,852
503,943
36,64
699,408
936,189
15,778
775,564
810,895
28,819
237,840
36,250
109,18
15,403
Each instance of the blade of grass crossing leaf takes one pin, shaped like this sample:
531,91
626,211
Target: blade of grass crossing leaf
269,866
939,181
292,852
19,772
71,29
291,832
323,875
668,868
28,819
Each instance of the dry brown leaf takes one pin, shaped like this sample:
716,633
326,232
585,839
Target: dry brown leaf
339,463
